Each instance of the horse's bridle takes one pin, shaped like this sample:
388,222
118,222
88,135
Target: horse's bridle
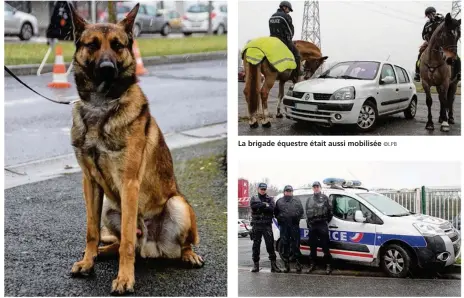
441,50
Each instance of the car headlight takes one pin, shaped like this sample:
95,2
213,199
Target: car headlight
428,230
344,94
290,91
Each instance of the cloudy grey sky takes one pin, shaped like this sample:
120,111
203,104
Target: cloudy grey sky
395,175
351,29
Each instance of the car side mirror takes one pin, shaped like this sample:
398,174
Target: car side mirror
387,80
359,217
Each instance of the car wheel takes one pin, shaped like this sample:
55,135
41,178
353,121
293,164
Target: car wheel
166,30
220,30
367,116
26,32
137,30
410,112
187,33
395,261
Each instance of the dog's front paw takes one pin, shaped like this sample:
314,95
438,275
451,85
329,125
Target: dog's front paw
191,257
84,267
123,284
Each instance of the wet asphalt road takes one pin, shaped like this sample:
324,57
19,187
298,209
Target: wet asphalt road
45,235
341,283
304,285
181,96
390,125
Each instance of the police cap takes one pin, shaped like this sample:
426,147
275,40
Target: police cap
288,188
262,185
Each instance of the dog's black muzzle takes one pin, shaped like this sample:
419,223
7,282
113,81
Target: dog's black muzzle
107,70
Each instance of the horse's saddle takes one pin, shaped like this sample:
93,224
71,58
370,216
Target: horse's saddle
271,48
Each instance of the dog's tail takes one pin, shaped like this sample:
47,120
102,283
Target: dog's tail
193,236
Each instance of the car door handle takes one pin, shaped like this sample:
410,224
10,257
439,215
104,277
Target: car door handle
333,227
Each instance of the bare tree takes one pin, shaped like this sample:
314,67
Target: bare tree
112,12
210,19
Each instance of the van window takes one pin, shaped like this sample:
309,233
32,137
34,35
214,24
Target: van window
344,207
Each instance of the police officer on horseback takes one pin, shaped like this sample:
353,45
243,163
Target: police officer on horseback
434,19
262,212
281,26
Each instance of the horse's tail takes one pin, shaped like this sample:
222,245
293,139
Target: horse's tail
252,85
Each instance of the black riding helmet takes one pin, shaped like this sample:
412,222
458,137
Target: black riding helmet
286,3
430,10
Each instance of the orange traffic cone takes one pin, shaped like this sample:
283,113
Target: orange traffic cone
139,69
60,79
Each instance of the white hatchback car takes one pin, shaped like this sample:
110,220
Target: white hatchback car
195,19
353,92
370,228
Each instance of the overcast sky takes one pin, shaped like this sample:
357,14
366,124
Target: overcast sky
396,175
352,30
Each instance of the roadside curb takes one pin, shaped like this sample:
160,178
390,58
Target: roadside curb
336,272
54,167
31,69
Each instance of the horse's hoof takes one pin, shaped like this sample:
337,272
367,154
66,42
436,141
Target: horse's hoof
451,120
429,126
279,115
445,127
254,125
267,125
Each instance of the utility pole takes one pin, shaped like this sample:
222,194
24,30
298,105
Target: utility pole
455,8
112,12
210,19
311,30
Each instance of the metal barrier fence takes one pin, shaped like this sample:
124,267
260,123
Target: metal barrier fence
442,203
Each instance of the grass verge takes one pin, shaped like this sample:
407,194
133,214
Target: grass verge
433,89
33,53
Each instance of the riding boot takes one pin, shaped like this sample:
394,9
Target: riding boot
328,269
287,267
274,267
299,267
311,268
255,267
417,74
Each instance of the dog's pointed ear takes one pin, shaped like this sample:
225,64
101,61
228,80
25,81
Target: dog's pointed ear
324,58
78,22
129,20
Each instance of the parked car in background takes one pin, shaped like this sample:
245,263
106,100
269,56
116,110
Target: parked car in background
243,227
174,19
149,19
196,19
18,23
353,92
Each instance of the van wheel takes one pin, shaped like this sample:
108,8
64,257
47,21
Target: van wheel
410,112
395,261
367,116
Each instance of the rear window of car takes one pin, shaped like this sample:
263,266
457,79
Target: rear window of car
198,8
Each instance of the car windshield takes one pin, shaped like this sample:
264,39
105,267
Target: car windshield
358,70
385,205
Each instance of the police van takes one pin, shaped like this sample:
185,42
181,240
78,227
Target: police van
370,228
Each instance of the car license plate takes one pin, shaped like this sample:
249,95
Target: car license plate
306,107
196,24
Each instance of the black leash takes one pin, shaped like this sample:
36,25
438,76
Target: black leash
47,98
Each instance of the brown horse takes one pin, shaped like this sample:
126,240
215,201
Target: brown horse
435,70
311,59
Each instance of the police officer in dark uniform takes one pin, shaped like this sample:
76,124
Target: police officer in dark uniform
262,211
288,212
319,214
281,26
434,19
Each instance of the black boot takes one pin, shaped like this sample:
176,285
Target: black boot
417,74
299,267
255,267
274,267
311,268
328,269
287,267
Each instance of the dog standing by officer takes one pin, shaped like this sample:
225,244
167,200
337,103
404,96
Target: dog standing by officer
262,212
318,215
288,212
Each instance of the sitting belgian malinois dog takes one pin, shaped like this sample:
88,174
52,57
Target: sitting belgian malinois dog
128,176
